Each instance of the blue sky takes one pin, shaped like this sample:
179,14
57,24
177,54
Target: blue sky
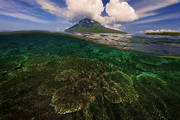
133,16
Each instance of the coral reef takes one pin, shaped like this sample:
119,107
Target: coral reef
53,76
80,83
153,61
151,80
153,94
119,88
67,75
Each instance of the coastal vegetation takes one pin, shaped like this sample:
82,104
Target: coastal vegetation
164,33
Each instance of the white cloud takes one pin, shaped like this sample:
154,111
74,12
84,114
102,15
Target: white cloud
52,8
120,11
75,10
23,16
30,2
143,15
159,18
79,9
146,8
13,9
159,31
116,26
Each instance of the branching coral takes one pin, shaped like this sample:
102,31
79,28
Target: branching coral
119,88
151,80
82,80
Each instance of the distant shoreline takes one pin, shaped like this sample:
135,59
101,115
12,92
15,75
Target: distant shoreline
164,33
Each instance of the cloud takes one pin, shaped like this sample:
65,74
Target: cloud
120,11
79,9
75,10
149,8
159,31
30,2
23,16
52,8
159,18
13,9
116,26
146,8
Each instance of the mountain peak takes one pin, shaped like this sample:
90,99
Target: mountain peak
87,21
88,25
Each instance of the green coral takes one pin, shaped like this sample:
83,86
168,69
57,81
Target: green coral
39,62
152,90
119,88
151,80
80,81
72,98
66,102
77,88
67,75
149,60
48,87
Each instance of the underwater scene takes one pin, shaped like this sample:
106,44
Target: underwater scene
55,76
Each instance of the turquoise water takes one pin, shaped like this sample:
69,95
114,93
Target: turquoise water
56,76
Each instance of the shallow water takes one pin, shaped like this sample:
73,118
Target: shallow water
56,76
164,46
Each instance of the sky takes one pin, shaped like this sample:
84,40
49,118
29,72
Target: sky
133,16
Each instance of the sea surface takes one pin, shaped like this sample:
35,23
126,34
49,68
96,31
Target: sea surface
57,76
158,45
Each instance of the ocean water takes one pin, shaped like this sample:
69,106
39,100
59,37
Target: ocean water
52,76
158,45
157,36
